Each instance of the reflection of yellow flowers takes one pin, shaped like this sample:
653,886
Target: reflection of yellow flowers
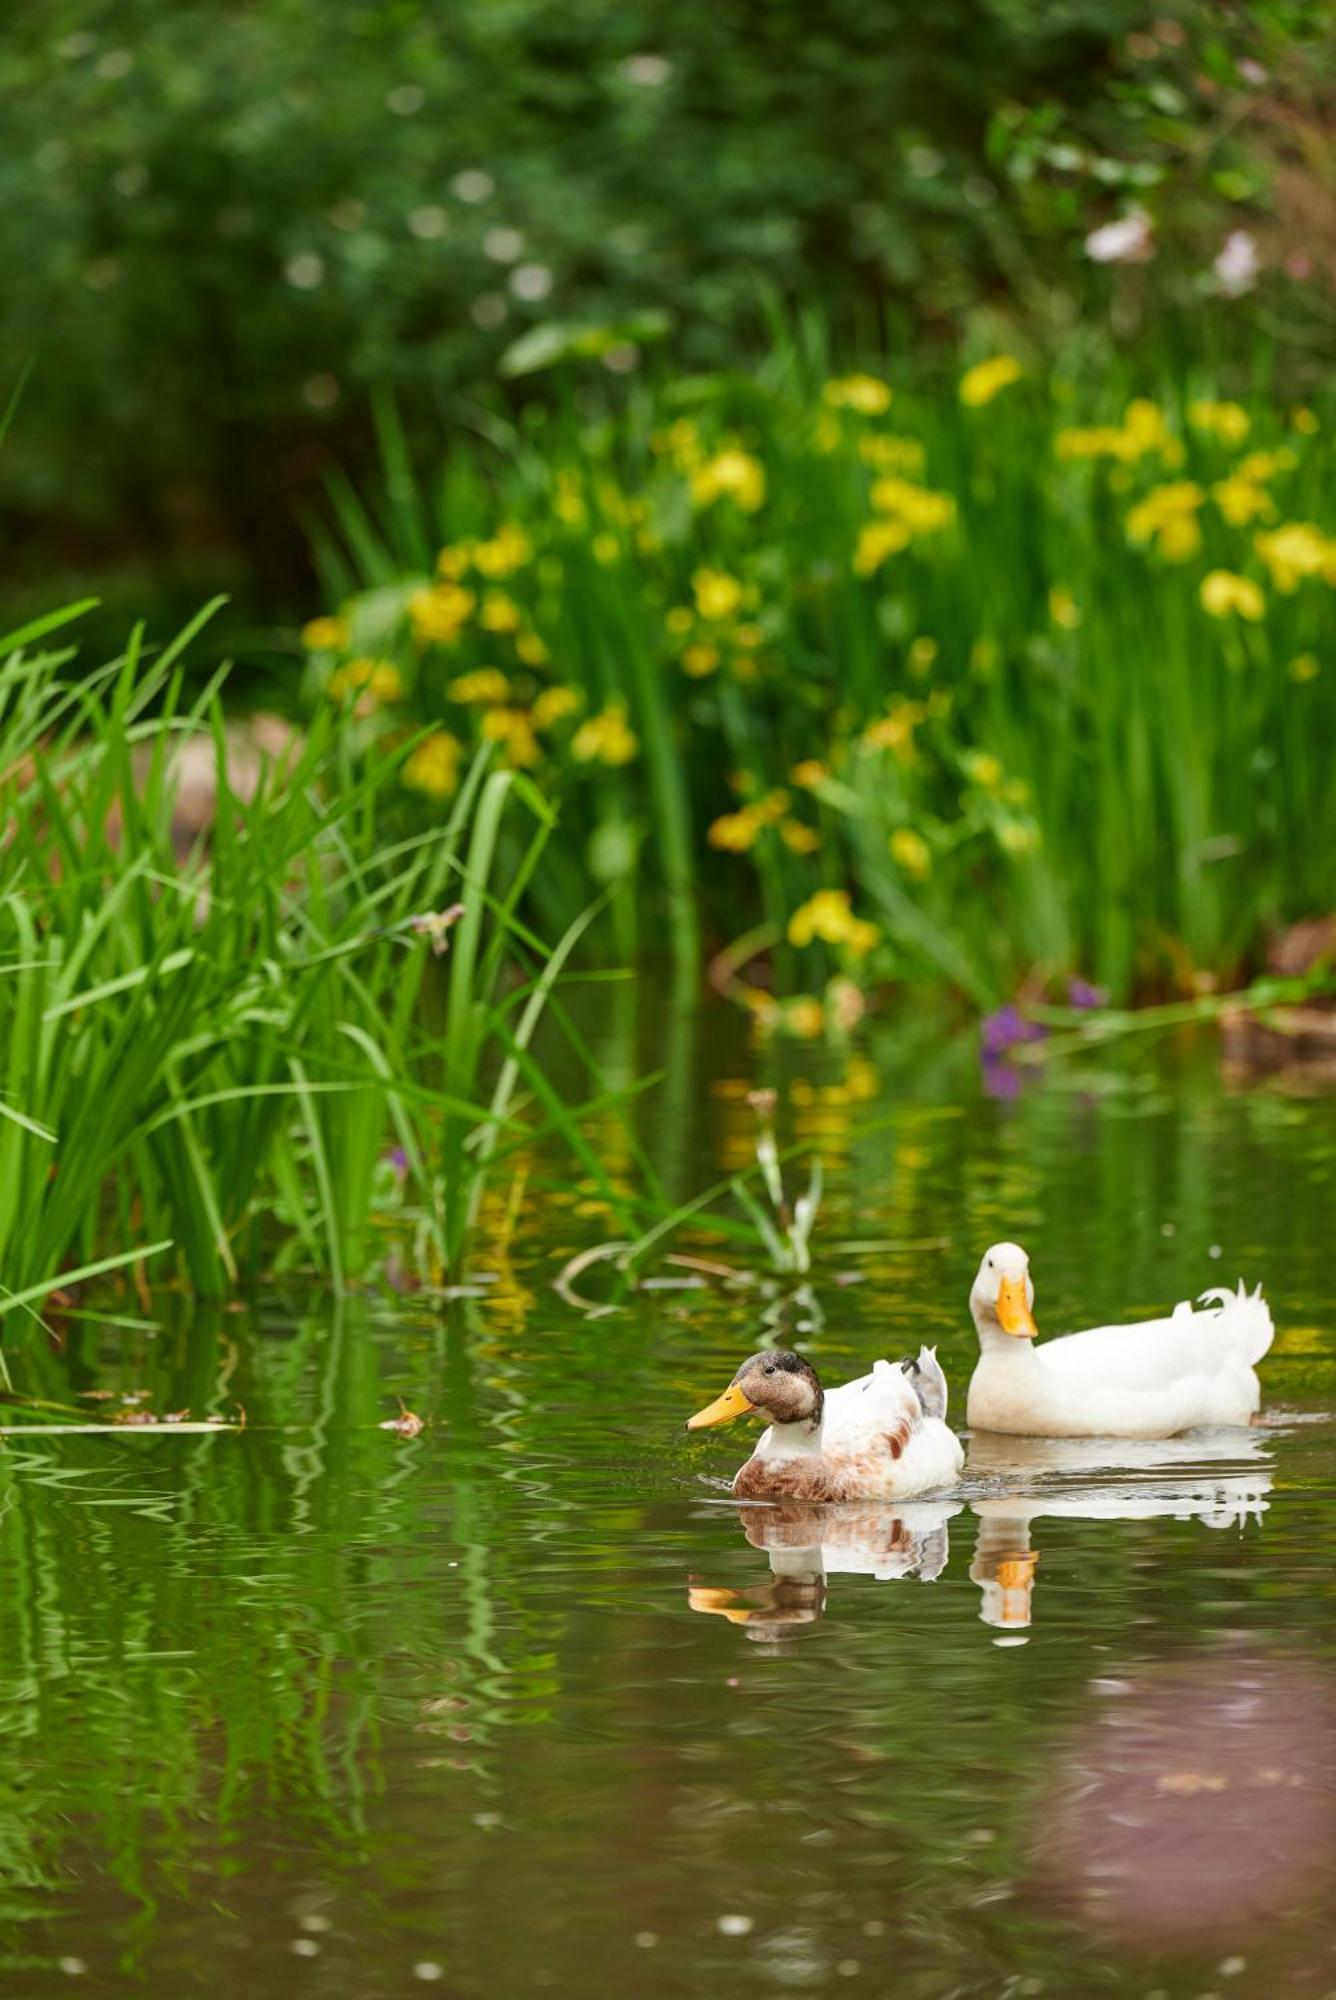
885,453
512,728
700,660
606,738
554,704
866,395
717,594
381,680
734,475
530,649
325,635
1240,501
829,916
910,851
1168,517
809,773
1293,551
1224,595
1063,608
439,613
484,684
979,385
1227,421
433,767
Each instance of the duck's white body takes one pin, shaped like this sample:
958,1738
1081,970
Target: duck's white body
1153,1379
878,1438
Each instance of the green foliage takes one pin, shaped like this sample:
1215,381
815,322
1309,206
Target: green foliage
252,1048
226,223
1023,674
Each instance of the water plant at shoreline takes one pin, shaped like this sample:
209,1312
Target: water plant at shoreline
965,682
249,1043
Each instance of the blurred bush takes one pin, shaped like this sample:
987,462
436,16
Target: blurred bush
225,223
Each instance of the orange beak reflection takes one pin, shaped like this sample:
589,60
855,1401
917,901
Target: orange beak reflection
722,1410
1013,1309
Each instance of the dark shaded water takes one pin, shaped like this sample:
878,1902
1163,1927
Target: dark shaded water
522,1704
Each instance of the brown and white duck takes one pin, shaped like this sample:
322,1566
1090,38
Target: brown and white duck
881,1437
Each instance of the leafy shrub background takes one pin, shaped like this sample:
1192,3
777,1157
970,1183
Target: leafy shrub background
226,223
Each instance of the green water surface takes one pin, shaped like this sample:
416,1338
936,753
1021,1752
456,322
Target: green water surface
524,1704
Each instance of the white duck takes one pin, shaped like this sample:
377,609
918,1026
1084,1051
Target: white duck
882,1437
1151,1379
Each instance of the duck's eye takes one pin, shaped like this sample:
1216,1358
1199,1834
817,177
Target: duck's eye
769,1368
990,1263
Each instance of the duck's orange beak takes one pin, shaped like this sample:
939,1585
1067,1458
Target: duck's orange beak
733,1403
1013,1309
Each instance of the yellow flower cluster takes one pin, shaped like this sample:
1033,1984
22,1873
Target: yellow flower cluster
911,852
433,767
894,731
554,704
1294,551
1229,422
865,395
1225,595
828,915
1168,518
736,832
907,510
1142,431
732,474
483,685
376,680
440,612
885,452
325,635
606,738
512,729
717,594
979,385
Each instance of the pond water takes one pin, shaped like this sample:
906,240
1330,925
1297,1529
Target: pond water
525,1704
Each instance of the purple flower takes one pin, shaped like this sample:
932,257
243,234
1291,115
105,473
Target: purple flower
397,1160
1002,1078
1080,993
1007,1028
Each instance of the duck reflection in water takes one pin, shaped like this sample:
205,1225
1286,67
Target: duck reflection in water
808,1543
1219,1478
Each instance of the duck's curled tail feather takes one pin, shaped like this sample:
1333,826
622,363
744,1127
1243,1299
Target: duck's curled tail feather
925,1372
1244,1320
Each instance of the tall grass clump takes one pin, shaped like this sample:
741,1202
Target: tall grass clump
257,1042
1008,676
